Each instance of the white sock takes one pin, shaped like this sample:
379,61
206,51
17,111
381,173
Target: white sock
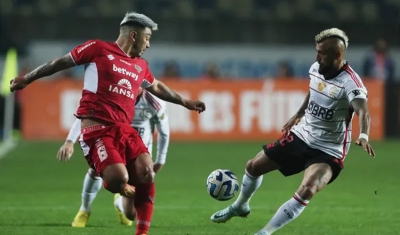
289,211
250,184
118,203
91,186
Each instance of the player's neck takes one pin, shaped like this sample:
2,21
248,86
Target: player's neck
124,45
336,71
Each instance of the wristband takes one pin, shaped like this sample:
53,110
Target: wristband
364,136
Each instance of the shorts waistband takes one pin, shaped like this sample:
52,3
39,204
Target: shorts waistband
92,128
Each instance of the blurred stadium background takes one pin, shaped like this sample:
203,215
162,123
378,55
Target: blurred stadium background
248,60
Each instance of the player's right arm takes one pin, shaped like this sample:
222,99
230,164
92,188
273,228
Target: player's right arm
81,54
66,151
299,114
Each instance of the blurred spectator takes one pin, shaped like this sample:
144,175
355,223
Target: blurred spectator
284,70
211,72
378,64
171,71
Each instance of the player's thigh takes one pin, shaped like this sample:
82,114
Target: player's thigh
287,154
103,155
322,162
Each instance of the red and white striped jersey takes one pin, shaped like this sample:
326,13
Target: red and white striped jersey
327,123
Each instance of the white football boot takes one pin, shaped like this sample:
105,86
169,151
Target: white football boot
226,214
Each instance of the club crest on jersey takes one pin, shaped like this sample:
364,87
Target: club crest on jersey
321,86
138,68
124,87
333,92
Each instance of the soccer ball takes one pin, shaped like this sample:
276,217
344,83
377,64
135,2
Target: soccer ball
222,184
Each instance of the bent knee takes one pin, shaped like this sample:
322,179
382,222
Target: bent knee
249,166
148,176
115,178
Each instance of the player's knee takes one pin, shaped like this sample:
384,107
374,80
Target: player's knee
115,178
144,169
148,175
250,167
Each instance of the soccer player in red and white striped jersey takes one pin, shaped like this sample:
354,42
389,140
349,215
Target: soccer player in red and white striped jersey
317,138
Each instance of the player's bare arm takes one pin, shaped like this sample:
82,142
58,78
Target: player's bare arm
67,149
163,92
43,70
361,109
299,114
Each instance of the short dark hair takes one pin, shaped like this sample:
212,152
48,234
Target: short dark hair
138,20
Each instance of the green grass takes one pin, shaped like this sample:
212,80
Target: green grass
39,195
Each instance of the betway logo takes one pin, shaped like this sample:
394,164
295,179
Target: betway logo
125,72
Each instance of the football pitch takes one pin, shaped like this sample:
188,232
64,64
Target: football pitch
39,195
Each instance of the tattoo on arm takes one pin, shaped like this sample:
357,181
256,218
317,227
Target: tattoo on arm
163,92
361,108
50,68
303,107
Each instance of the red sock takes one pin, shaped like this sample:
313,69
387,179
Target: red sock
144,199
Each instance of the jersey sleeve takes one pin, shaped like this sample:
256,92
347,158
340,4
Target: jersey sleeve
162,124
148,78
86,52
75,131
354,88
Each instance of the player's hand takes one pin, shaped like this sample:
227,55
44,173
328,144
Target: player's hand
366,146
18,83
157,167
196,105
66,151
292,122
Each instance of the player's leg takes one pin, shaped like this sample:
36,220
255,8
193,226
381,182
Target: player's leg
91,186
252,179
316,177
142,166
101,150
141,175
275,156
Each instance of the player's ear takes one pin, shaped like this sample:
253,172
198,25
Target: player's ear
338,55
133,35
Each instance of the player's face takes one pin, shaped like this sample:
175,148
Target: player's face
142,41
325,57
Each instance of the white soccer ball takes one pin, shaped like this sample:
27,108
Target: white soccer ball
222,184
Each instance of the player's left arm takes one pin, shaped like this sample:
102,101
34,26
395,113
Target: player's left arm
161,122
163,92
357,96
